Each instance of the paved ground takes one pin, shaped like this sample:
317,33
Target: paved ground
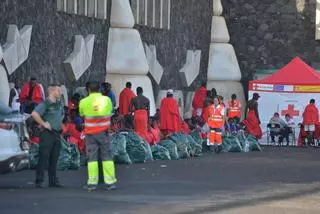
277,180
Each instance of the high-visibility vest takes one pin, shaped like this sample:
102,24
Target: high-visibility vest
234,111
97,111
215,119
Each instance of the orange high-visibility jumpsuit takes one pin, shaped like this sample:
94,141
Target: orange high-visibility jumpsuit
215,123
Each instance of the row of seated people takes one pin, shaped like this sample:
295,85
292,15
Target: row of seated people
280,127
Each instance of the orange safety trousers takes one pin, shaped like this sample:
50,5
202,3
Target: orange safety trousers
215,137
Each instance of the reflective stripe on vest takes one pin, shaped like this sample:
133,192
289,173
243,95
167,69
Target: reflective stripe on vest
94,125
234,111
215,118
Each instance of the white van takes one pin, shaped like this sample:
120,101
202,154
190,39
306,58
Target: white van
14,149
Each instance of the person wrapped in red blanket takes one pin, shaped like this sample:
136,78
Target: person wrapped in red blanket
310,125
252,121
73,134
169,115
198,100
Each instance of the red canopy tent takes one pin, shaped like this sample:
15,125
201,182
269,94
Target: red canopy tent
297,72
287,91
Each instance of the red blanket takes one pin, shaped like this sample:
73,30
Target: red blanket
252,125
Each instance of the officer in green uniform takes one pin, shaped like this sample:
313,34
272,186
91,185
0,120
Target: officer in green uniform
49,114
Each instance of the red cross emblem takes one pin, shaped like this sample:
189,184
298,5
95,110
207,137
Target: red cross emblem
290,111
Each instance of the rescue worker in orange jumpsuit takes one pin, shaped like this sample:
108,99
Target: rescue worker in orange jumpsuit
216,121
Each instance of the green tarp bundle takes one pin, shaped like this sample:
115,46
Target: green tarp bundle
243,141
118,146
182,145
69,156
149,156
160,153
34,155
171,147
196,148
231,143
75,157
64,162
253,144
137,148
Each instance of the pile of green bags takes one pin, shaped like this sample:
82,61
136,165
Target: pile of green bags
253,144
34,155
139,150
160,153
171,147
230,143
69,158
182,145
118,147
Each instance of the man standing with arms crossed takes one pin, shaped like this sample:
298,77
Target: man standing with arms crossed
49,114
97,111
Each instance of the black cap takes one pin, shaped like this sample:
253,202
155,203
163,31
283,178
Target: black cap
256,95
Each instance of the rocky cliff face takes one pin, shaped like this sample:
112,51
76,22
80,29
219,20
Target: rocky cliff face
267,34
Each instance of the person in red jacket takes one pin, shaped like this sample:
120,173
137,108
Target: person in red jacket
169,114
125,98
30,96
198,100
310,119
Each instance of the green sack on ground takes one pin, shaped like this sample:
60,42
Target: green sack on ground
135,148
83,160
171,147
182,145
65,156
231,144
160,153
196,136
253,143
75,157
118,147
195,147
34,155
149,156
243,141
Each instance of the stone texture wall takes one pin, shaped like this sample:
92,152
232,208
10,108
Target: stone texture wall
267,34
52,40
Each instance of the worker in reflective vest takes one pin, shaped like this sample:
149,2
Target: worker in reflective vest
216,122
97,111
234,108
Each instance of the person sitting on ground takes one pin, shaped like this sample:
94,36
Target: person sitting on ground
310,119
279,129
30,96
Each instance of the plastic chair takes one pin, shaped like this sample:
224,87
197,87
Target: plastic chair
269,127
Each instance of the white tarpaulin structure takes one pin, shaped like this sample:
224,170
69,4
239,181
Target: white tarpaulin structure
287,91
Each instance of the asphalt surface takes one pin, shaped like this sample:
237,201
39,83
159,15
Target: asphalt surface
208,184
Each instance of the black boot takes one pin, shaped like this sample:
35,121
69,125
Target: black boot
55,183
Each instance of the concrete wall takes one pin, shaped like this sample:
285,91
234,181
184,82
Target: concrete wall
53,39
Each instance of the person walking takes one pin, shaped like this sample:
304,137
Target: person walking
97,111
49,114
